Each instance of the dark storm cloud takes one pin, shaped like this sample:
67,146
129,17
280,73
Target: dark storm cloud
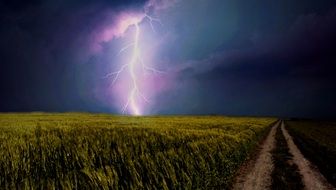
43,47
289,74
233,56
306,50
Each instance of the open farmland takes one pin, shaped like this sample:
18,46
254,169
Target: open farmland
99,151
317,141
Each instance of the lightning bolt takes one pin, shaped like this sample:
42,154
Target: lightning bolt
132,104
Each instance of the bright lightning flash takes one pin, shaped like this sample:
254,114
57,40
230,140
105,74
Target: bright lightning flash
131,104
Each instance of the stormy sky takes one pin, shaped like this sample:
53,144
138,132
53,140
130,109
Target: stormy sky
231,57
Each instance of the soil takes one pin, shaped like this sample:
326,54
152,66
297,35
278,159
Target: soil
311,177
259,171
256,174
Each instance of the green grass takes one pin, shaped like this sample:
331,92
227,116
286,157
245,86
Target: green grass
100,151
317,141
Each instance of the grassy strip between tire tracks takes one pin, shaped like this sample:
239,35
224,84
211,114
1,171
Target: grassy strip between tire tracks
285,174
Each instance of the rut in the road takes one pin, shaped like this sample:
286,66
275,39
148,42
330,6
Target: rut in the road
311,178
259,175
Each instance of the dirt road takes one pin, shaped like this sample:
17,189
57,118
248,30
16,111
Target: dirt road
311,177
256,173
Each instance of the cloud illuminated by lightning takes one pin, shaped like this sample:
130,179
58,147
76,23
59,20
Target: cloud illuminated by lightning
131,106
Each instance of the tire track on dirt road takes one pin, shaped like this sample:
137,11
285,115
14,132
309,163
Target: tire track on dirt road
257,175
311,177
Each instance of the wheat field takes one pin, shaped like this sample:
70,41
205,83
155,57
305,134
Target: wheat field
101,151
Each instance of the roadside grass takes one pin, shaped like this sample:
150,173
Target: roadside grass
100,151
